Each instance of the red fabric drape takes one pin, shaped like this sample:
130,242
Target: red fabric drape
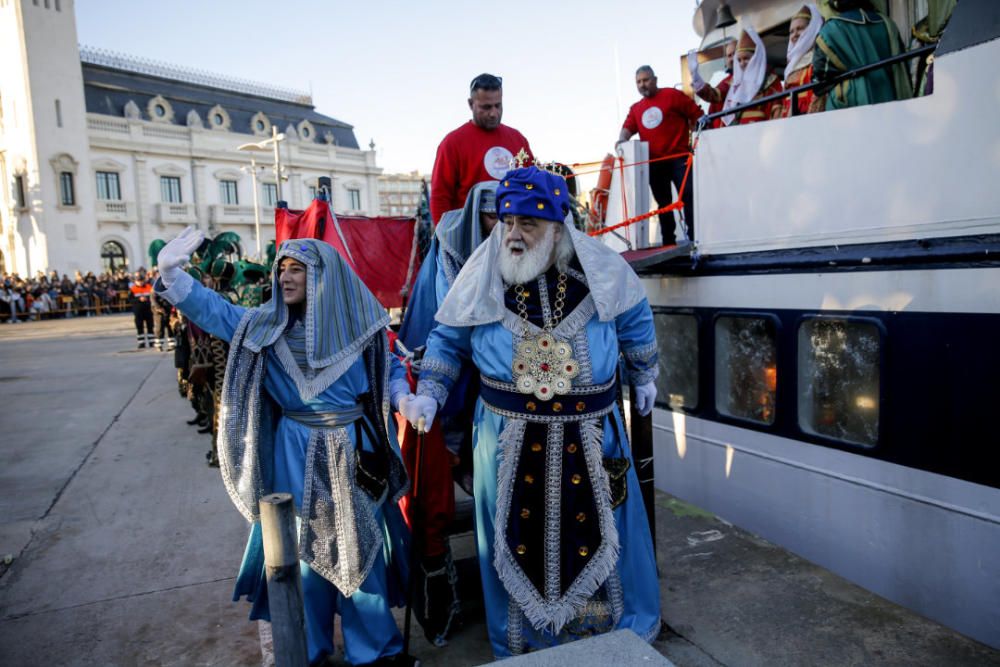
381,249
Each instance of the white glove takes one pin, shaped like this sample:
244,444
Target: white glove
645,396
176,254
413,407
696,81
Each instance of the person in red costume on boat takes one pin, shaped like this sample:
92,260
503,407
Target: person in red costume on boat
482,149
752,80
714,95
663,118
802,32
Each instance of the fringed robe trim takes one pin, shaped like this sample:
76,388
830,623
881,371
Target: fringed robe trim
240,465
551,613
359,539
340,555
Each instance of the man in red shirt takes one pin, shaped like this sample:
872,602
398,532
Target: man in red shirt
477,151
663,118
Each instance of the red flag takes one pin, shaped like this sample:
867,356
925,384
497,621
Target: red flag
382,251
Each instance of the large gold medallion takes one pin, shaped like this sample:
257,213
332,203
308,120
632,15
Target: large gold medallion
544,366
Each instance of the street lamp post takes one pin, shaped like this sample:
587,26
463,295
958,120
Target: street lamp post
256,206
263,146
275,138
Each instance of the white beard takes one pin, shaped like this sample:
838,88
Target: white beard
517,270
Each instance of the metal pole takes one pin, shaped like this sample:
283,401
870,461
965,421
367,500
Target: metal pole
256,208
642,454
416,532
277,160
284,581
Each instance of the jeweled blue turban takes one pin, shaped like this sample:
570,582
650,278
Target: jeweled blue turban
533,192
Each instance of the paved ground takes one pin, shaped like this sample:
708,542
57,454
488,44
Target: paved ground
731,598
123,544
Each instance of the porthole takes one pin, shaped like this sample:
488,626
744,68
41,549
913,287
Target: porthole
260,126
217,119
677,382
839,379
746,373
159,110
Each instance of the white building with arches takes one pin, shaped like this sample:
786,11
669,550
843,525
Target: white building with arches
100,153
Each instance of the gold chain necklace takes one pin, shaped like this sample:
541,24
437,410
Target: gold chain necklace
543,366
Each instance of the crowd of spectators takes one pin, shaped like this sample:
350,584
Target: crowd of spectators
52,295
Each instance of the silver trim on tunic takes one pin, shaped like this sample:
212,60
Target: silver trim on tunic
553,510
340,538
435,365
580,390
541,611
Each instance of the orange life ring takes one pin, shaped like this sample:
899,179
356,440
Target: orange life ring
599,195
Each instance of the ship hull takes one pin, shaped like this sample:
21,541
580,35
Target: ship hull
905,503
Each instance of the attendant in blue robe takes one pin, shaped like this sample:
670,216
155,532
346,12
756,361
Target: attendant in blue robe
458,234
303,411
461,231
544,313
447,448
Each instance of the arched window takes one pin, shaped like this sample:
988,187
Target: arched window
113,256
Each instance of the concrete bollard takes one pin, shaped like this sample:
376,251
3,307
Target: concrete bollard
284,581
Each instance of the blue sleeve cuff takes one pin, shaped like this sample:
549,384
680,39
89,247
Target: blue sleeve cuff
178,290
432,367
642,363
639,377
435,390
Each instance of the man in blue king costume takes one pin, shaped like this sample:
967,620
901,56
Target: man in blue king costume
544,312
304,411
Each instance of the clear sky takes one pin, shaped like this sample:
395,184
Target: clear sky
399,71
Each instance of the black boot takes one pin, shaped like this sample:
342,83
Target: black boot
437,606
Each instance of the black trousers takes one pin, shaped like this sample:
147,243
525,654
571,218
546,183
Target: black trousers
143,313
661,175
161,323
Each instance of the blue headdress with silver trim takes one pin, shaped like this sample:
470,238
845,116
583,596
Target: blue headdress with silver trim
341,314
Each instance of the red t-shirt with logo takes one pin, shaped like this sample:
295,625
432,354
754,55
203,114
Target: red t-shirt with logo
467,156
663,121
